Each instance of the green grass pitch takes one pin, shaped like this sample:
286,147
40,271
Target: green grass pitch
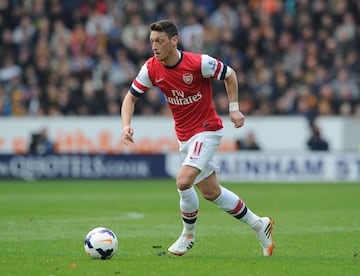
43,225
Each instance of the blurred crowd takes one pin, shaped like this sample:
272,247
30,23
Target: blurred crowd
78,57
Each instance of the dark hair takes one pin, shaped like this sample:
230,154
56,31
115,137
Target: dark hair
165,26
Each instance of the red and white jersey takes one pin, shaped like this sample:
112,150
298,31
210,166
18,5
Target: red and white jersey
187,89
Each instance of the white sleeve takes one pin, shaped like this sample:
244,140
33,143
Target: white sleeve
143,77
141,83
228,72
214,68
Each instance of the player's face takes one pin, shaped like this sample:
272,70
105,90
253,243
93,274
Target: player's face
162,45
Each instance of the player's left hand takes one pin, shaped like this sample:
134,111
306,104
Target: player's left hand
127,135
237,118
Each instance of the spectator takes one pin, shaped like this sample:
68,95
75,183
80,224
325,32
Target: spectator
9,70
24,32
192,34
123,68
99,20
40,143
7,45
136,29
249,143
316,142
60,36
224,16
210,38
80,42
344,86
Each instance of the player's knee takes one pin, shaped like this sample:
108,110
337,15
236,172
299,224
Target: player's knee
183,183
210,195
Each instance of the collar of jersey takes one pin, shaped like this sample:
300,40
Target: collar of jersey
180,53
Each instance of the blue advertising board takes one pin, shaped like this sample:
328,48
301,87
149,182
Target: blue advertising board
82,166
232,167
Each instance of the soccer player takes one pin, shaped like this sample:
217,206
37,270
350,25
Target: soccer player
185,80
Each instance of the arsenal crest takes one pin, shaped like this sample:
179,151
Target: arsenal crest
188,78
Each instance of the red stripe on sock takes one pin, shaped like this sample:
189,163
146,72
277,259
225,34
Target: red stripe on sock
237,208
189,215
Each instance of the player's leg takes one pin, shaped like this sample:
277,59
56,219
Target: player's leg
189,201
195,154
235,206
189,205
226,200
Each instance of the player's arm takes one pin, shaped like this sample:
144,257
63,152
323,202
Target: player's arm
127,111
231,86
213,68
137,89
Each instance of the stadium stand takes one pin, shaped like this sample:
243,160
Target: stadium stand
77,57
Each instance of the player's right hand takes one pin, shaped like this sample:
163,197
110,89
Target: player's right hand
127,135
237,118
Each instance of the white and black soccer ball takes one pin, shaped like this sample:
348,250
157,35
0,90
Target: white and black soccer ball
101,243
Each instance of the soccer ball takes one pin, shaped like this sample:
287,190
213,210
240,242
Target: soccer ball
101,243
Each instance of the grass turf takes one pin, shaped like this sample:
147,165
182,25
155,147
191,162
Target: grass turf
43,225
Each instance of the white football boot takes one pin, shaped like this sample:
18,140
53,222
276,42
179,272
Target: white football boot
182,245
264,235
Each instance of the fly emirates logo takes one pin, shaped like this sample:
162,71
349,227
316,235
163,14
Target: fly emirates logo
180,99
